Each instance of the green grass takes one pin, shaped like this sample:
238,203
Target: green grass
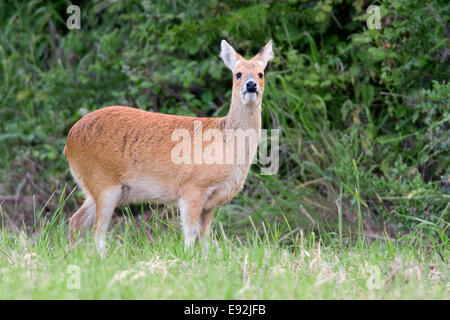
147,260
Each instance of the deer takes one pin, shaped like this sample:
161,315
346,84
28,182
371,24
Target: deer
119,155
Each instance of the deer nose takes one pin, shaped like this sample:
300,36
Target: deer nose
251,86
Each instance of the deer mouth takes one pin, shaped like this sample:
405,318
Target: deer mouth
250,97
251,93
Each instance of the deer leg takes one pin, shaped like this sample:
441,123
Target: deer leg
191,207
206,219
82,219
104,205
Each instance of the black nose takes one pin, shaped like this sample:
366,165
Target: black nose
251,86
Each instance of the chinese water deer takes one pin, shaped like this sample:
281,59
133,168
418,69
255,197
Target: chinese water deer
119,155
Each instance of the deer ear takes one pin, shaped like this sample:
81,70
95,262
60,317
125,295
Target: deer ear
265,54
228,55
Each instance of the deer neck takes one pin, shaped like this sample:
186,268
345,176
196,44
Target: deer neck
243,117
246,118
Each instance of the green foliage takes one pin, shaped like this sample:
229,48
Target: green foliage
364,114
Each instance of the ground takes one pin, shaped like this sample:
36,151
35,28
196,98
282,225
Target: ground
268,266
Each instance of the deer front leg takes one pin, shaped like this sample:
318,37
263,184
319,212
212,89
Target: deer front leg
206,219
191,207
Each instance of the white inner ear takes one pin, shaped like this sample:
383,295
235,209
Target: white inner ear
266,54
228,55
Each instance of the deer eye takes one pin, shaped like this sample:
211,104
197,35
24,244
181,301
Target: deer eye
238,75
260,75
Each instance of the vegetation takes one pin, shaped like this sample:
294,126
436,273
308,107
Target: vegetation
364,148
147,260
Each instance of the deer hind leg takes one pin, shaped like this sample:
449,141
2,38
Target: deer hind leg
105,203
82,219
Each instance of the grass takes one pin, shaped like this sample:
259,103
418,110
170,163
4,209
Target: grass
146,260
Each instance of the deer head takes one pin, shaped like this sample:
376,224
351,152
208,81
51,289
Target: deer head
248,75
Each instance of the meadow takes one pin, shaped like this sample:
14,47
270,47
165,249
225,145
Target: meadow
147,260
359,206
